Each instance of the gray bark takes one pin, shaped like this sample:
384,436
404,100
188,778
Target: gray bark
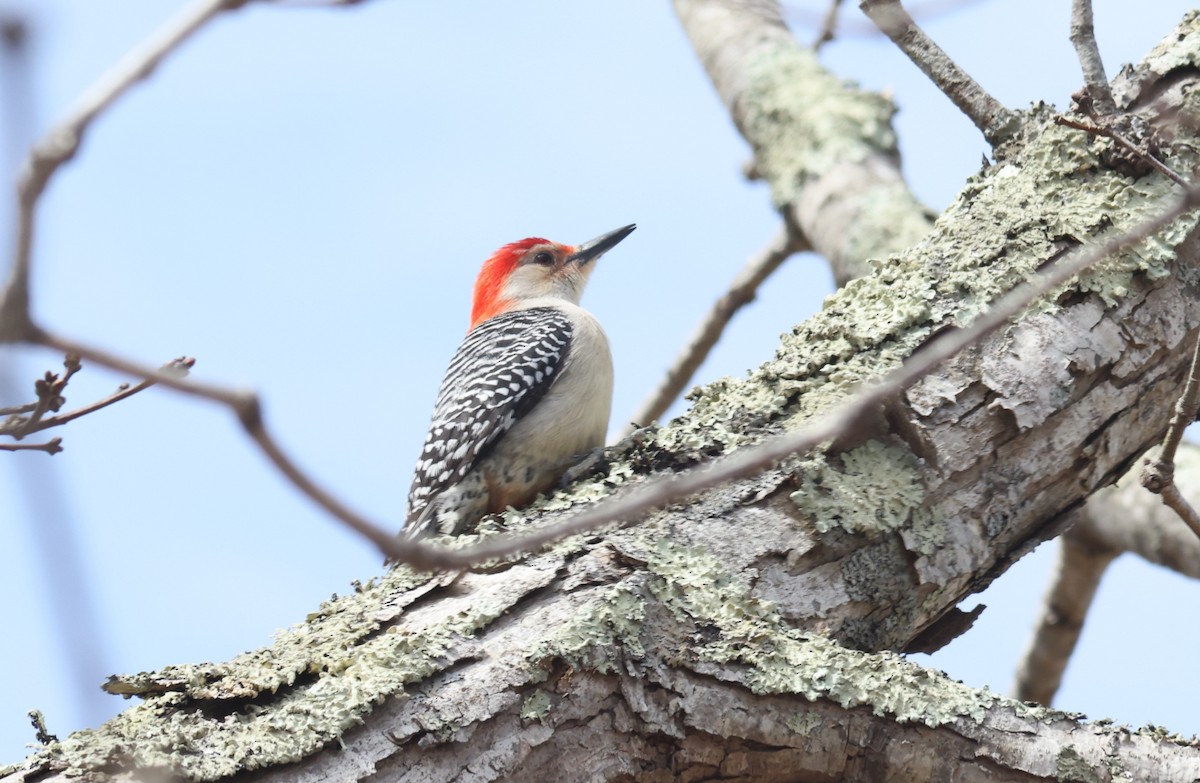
746,633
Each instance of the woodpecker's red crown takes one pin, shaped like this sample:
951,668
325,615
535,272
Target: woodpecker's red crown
489,286
536,268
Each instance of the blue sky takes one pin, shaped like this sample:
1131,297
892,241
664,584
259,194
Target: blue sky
301,197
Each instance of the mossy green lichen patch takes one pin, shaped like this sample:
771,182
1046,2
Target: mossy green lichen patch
537,706
596,638
308,648
872,489
779,660
1177,51
926,533
1071,766
347,672
790,101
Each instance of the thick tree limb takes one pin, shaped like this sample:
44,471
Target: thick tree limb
827,150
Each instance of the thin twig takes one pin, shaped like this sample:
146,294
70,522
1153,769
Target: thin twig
49,390
996,122
248,408
63,140
1175,500
179,367
828,24
1120,138
1158,476
741,292
52,446
1083,36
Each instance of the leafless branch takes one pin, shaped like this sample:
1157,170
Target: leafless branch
49,390
248,409
1159,473
63,140
741,292
996,122
828,24
1083,36
178,367
52,446
16,410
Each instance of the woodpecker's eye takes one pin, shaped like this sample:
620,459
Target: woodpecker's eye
544,258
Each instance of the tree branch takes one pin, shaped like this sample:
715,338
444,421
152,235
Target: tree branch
1083,36
828,24
1159,473
52,446
827,149
995,122
63,140
1081,565
179,367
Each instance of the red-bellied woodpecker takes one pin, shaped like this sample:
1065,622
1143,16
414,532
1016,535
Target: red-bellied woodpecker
526,395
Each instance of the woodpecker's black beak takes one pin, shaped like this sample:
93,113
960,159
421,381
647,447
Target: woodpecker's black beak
590,251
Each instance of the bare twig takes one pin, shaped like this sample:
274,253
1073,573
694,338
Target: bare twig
49,390
1159,473
828,24
52,446
178,367
50,399
996,122
63,140
1175,500
1083,36
1141,152
741,292
248,409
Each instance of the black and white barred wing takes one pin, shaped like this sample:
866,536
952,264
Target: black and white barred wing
501,370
